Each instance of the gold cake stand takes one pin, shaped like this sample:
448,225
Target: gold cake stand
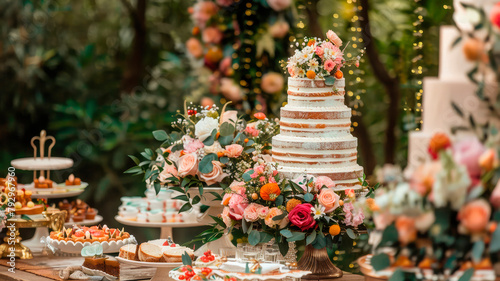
12,246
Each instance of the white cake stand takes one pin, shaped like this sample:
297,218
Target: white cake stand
162,268
37,164
95,221
166,227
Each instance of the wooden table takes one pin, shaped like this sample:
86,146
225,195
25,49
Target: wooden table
47,269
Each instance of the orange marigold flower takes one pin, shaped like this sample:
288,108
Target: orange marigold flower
260,115
437,143
311,74
339,74
334,230
311,42
270,191
292,203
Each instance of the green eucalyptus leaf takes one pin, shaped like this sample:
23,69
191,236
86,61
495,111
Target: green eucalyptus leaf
477,251
380,261
254,237
286,233
310,238
135,159
308,197
467,275
160,135
330,80
206,166
227,129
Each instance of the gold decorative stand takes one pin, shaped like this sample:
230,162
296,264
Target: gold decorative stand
318,262
12,246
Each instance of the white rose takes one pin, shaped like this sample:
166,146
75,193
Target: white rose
214,148
450,186
203,129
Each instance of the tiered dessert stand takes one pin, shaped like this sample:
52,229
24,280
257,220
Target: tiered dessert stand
44,164
166,227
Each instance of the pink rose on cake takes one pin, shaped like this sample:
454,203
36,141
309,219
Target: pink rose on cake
332,36
215,176
324,181
233,150
273,212
329,65
301,217
328,199
251,213
188,165
319,51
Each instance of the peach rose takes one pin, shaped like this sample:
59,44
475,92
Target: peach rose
194,47
230,90
211,35
328,199
273,212
238,187
272,82
234,150
279,29
230,116
324,181
168,172
263,211
251,213
188,165
495,196
488,160
334,38
422,179
215,176
475,215
407,232
225,217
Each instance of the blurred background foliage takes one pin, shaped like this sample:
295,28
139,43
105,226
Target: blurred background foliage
67,66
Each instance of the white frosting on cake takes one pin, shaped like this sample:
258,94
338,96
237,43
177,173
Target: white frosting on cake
315,133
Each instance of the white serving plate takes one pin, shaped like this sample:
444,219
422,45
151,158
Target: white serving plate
76,247
95,221
39,164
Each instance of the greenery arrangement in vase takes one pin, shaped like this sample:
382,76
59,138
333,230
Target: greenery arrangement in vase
208,147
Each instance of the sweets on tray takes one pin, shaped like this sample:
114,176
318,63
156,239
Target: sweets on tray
95,260
208,259
72,180
155,209
161,250
77,210
89,234
42,182
24,204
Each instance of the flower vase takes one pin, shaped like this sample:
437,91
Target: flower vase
318,262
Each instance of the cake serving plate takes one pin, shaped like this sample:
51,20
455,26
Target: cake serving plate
76,247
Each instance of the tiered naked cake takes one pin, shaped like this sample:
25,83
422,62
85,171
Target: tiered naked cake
315,136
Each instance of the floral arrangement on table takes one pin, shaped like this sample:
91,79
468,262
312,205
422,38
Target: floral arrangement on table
208,147
235,48
445,218
265,206
319,58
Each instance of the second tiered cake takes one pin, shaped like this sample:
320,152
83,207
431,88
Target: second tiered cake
315,136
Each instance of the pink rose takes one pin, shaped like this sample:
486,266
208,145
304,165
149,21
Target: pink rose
273,212
203,11
252,130
279,5
272,82
422,179
407,232
225,217
238,187
358,218
495,196
467,153
188,165
291,71
233,150
328,45
259,169
383,220
194,47
495,15
224,3
226,199
324,181
225,66
475,215
279,29
332,36
319,51
237,206
215,176
230,90
211,35
301,217
251,213
328,199
168,172
329,65
263,211
306,183
192,145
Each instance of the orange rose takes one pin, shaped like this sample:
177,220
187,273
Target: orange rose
188,165
437,143
273,212
488,160
475,215
328,199
194,47
215,176
233,150
168,172
407,232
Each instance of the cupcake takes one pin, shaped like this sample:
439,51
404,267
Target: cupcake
90,214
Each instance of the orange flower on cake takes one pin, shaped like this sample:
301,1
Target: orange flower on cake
215,176
270,191
188,165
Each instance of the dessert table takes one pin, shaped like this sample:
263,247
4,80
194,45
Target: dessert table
47,268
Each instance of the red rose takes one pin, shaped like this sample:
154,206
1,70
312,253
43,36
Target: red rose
301,216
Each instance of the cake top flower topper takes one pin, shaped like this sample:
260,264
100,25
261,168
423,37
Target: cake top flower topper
316,58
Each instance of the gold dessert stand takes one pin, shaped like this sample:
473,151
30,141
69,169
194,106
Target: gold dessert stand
12,246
